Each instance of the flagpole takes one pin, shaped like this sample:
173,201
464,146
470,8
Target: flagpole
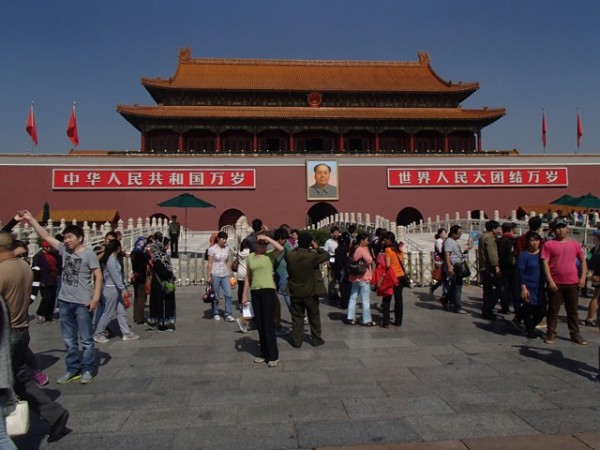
579,131
32,113
31,128
75,115
543,131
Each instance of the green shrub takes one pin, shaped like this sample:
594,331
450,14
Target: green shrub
319,235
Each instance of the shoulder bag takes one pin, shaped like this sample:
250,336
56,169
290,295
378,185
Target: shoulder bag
17,420
235,265
357,267
461,270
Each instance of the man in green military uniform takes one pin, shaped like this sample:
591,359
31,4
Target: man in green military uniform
305,283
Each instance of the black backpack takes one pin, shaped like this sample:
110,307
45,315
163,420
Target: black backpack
507,252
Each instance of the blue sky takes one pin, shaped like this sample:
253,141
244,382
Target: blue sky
526,55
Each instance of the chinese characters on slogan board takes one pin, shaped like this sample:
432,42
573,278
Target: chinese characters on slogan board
477,178
423,177
78,179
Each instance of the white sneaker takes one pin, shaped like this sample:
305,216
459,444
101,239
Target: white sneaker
229,319
273,363
100,338
130,337
216,317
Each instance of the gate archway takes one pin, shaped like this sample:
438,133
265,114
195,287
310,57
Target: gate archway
229,217
408,215
318,212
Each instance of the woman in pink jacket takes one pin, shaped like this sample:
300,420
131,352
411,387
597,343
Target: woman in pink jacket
361,283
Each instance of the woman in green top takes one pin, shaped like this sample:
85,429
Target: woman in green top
259,279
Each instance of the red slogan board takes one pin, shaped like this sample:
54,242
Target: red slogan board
146,179
476,178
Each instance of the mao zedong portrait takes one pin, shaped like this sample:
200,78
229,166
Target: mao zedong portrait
322,188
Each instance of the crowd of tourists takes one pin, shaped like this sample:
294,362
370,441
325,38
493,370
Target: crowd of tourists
531,274
89,289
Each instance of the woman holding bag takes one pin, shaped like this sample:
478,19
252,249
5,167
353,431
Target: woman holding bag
113,292
259,280
162,303
361,283
393,260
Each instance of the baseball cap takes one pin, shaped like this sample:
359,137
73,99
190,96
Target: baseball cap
558,223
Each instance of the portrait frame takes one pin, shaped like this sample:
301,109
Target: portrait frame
315,192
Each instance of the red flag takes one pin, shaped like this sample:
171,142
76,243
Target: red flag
72,128
579,129
30,127
544,129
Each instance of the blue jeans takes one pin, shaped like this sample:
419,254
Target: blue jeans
364,289
281,288
455,292
99,311
75,323
217,284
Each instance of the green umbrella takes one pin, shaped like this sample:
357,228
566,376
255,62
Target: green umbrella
565,200
588,201
186,201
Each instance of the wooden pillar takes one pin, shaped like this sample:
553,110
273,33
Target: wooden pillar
445,142
479,140
254,142
180,143
377,142
291,149
341,142
218,142
143,147
411,141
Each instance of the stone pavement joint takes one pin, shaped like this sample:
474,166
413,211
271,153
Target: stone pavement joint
441,381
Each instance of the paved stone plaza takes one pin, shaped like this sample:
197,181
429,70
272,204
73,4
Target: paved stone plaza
443,377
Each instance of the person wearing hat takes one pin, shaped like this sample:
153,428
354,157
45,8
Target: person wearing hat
303,286
559,257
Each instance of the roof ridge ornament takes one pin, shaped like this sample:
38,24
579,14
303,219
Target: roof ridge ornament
424,59
185,54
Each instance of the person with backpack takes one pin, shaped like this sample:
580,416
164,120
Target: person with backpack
360,281
507,260
438,261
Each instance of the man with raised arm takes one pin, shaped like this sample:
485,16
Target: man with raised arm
77,299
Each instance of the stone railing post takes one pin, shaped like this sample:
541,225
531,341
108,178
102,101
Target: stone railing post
32,246
86,232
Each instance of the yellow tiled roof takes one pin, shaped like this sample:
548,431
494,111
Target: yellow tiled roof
81,215
298,75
